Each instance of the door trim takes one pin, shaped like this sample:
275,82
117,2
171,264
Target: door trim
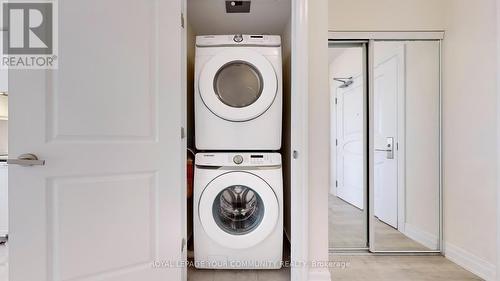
386,35
498,148
349,37
371,145
184,141
299,141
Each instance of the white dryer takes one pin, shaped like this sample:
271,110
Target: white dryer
238,92
238,211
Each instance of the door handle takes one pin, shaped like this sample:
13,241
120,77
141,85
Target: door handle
26,160
389,148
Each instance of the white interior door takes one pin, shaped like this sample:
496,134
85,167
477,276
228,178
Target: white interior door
107,203
387,75
350,151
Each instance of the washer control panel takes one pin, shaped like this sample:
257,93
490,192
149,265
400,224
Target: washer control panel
238,159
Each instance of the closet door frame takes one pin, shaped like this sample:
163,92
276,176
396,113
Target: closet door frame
372,37
299,141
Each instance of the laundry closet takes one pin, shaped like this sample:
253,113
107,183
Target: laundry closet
122,169
238,135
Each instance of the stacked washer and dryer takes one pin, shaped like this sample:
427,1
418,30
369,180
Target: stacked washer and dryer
238,182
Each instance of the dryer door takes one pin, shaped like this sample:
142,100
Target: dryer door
238,210
238,85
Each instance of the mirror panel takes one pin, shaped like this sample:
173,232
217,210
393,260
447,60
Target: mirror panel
348,214
406,126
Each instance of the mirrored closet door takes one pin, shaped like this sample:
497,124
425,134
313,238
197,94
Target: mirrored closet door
406,146
348,212
385,115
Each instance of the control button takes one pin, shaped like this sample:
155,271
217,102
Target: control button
238,159
238,38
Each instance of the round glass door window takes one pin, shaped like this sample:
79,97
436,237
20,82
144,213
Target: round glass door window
238,84
238,210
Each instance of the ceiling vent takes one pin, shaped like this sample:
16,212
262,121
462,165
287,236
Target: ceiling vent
237,7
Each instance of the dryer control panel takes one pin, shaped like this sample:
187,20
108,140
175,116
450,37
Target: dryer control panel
238,159
238,40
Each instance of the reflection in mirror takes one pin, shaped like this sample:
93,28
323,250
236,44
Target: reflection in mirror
347,208
406,142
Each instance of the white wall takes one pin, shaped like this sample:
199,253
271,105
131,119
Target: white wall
387,15
470,110
209,17
319,135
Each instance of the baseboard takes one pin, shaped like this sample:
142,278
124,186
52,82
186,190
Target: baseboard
319,275
427,239
470,262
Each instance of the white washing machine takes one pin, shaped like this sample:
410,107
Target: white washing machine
238,211
238,92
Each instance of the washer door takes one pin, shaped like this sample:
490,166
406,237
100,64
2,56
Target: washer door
238,210
238,85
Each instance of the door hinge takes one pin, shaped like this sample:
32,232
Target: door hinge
336,101
336,183
182,20
336,142
183,245
183,133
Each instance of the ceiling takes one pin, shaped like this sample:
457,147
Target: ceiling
209,17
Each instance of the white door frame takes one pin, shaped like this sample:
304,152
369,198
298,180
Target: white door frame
498,145
299,141
183,128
